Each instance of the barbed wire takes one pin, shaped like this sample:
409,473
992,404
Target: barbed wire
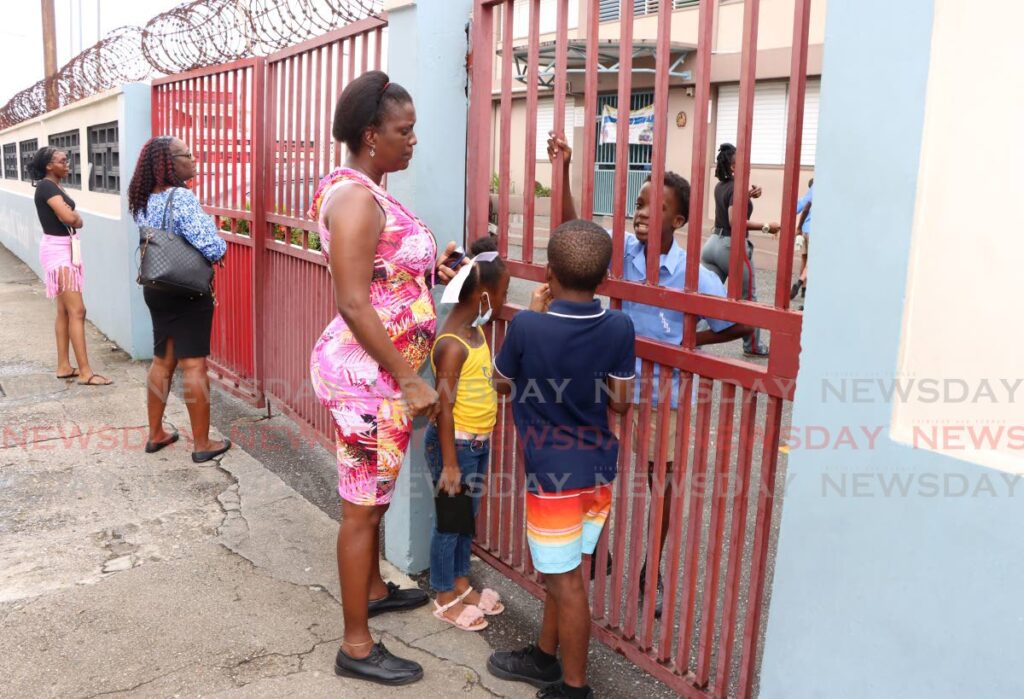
191,35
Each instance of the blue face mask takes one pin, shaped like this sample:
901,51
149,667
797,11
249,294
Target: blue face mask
483,317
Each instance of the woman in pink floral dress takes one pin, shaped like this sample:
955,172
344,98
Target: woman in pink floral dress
365,365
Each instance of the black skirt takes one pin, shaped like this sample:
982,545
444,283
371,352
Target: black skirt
188,320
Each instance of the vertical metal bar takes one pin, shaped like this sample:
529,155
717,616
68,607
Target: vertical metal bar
302,198
340,81
794,137
365,47
712,571
326,89
513,495
518,529
658,495
558,119
262,187
505,139
762,533
289,140
377,48
532,71
744,130
204,138
218,131
695,517
622,136
233,147
479,134
675,538
586,207
737,533
628,573
245,134
659,151
699,156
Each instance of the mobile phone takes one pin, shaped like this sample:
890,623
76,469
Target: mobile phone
455,259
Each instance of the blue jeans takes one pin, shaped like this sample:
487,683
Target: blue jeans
449,553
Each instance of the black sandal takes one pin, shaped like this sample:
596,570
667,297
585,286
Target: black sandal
204,456
154,447
73,374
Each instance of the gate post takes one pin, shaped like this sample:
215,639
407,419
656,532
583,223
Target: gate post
427,56
262,181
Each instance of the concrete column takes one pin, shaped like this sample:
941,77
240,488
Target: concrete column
427,55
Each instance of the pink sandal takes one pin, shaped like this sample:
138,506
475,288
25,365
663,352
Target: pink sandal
490,601
470,619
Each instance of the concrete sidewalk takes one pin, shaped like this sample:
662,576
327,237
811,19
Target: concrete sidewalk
126,574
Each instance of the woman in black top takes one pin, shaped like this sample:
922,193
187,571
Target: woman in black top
716,252
63,274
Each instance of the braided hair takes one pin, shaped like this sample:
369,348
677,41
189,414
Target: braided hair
723,166
155,169
40,159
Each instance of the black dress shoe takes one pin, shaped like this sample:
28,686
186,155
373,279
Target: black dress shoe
397,600
523,666
204,456
558,691
154,447
379,666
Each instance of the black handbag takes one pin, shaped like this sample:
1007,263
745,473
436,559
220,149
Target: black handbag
170,263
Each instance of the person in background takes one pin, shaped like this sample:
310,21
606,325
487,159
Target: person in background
64,276
661,324
458,445
570,451
365,365
182,323
716,251
803,227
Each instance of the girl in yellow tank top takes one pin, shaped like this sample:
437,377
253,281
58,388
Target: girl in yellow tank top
458,445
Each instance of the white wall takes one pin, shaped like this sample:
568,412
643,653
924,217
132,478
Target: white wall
961,323
109,237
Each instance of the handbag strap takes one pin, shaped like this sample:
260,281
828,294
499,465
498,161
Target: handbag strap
168,221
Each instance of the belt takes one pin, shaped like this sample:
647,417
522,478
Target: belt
472,437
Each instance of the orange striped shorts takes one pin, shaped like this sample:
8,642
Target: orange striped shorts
561,527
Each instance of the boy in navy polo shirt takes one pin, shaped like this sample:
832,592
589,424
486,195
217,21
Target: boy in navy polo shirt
564,369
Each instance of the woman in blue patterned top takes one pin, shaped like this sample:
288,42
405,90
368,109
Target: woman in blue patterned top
181,323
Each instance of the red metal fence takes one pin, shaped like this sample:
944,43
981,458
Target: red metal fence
724,486
261,131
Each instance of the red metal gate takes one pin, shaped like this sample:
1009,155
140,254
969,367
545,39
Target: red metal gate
217,112
261,132
716,561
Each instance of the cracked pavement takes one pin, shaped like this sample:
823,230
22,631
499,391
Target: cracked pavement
126,574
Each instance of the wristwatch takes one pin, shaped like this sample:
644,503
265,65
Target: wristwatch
766,229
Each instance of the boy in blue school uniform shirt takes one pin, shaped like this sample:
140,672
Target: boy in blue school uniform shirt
661,324
565,364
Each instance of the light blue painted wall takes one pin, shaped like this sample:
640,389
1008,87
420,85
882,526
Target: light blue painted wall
427,55
878,596
112,298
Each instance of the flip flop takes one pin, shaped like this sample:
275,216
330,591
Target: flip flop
73,374
154,447
203,456
91,381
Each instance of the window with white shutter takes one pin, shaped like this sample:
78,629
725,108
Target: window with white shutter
546,120
548,17
771,101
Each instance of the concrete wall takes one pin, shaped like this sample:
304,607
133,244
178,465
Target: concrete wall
914,593
109,238
427,55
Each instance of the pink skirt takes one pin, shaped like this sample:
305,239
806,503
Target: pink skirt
58,272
